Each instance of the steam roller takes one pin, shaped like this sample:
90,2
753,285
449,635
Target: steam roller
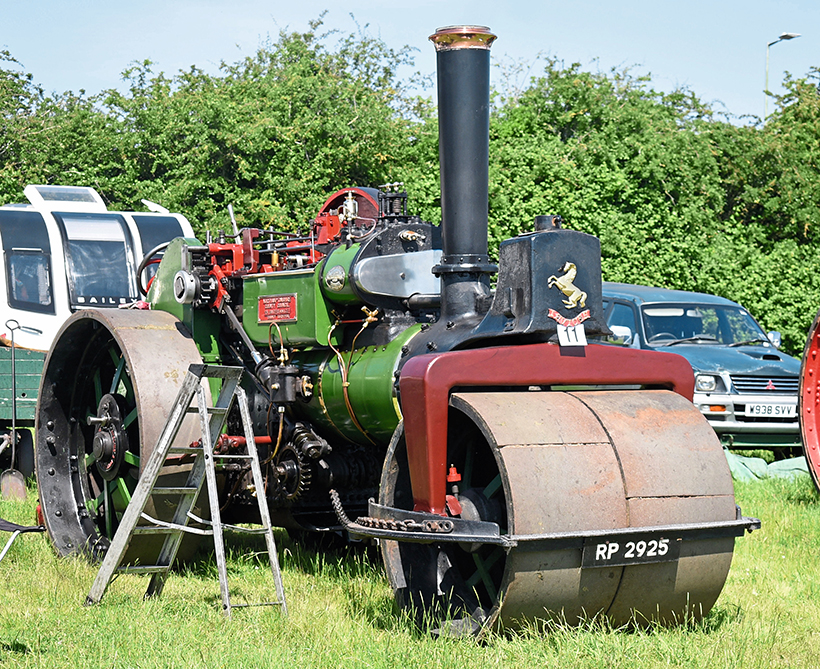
511,464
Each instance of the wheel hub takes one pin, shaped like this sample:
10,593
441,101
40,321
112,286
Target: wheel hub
104,445
476,506
110,438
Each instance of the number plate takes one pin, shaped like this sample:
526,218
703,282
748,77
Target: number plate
639,548
772,410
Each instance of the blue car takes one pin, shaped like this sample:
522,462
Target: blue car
744,385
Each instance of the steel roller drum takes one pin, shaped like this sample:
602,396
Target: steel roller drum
138,358
606,460
570,462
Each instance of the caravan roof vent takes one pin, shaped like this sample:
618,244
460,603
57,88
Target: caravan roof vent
65,198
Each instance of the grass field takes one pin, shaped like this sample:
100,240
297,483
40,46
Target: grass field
342,612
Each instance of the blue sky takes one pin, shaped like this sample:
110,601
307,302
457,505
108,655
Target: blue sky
717,48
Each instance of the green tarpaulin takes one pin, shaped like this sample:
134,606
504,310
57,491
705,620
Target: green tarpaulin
750,469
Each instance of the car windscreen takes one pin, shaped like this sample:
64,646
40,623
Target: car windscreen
668,324
99,259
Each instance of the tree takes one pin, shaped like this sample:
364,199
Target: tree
274,134
679,196
19,98
616,159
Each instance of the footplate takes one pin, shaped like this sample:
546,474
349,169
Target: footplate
601,548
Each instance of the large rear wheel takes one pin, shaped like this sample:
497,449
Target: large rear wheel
108,383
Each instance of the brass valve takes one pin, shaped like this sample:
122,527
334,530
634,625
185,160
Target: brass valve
370,316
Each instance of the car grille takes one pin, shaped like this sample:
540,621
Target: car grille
762,384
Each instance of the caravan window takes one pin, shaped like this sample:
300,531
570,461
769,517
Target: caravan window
29,281
27,256
99,260
155,230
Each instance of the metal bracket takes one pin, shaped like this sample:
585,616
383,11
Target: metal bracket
386,522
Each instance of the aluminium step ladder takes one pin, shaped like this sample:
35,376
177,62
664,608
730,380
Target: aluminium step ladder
212,421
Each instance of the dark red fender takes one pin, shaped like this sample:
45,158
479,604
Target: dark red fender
426,382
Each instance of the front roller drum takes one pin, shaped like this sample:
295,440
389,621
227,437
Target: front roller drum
109,381
549,462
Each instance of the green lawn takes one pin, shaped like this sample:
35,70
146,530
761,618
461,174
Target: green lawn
342,612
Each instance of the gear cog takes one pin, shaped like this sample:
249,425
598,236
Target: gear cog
293,472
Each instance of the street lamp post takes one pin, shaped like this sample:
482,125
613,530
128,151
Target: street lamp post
783,37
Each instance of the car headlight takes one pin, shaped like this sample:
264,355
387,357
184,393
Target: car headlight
705,383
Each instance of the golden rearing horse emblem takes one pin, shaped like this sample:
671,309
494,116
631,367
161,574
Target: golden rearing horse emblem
575,296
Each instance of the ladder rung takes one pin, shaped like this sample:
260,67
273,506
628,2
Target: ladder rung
214,411
143,569
170,528
245,606
245,530
192,450
170,490
229,456
226,372
154,529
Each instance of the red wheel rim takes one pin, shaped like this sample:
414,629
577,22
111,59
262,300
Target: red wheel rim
809,401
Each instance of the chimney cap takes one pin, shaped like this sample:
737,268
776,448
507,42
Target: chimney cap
462,37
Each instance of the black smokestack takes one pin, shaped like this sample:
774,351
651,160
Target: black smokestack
463,58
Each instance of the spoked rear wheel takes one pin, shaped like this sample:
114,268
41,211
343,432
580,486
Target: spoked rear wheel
108,383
